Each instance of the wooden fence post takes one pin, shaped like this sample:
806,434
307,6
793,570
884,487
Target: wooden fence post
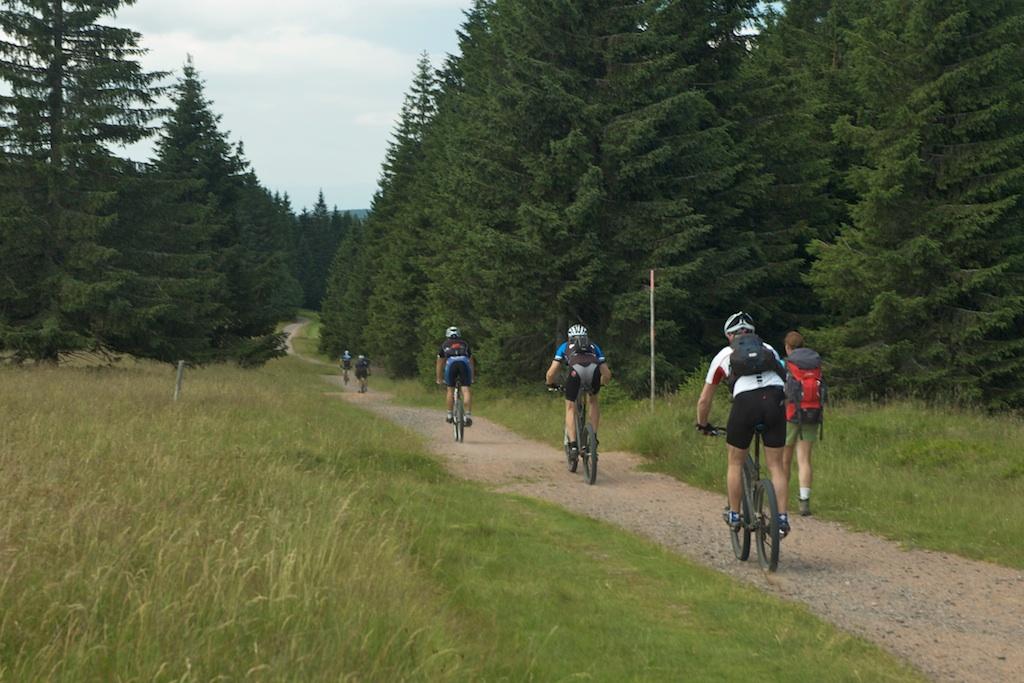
181,377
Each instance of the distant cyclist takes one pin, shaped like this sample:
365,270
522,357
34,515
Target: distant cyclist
346,364
588,370
754,372
455,362
362,371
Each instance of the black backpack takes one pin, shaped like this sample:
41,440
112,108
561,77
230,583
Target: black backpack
580,354
751,357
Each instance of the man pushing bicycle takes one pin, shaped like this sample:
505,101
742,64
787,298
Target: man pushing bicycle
754,372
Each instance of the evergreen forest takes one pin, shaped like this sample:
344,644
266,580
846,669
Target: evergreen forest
849,168
184,257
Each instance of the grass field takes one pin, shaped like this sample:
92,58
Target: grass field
260,530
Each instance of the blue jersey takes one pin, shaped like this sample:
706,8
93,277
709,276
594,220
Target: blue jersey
567,352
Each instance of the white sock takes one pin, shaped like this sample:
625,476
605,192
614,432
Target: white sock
805,494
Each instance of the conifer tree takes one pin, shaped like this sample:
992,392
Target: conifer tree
250,254
791,90
928,281
403,230
74,89
681,183
165,242
344,313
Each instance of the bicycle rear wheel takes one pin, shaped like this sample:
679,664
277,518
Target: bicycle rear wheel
741,536
766,512
459,421
588,444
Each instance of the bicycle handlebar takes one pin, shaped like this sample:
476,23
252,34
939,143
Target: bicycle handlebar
710,430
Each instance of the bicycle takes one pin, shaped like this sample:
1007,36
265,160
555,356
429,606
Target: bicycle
586,438
344,375
362,377
459,414
759,514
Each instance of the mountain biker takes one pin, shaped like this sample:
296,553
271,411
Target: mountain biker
757,390
588,370
362,370
346,363
455,362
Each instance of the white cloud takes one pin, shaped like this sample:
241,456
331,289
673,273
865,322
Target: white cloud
375,119
242,16
291,51
313,87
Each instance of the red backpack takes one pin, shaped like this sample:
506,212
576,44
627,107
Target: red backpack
805,389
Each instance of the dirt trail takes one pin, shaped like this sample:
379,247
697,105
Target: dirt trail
952,618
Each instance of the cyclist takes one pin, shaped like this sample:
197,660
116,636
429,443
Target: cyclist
755,375
346,364
455,362
588,370
362,371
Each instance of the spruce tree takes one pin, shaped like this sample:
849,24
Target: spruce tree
344,313
250,255
74,89
402,229
165,236
681,182
928,280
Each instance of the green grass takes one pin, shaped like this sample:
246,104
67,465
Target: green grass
307,341
257,529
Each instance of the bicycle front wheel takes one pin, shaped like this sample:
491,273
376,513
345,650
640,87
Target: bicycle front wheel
572,461
459,423
766,511
588,442
741,536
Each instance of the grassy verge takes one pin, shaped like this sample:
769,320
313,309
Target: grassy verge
307,340
256,530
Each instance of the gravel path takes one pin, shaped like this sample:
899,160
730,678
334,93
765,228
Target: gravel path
952,618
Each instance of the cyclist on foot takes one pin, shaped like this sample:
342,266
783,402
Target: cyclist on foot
346,364
755,376
362,371
455,362
587,370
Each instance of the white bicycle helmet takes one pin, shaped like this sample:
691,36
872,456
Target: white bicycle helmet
577,331
452,332
738,321
578,336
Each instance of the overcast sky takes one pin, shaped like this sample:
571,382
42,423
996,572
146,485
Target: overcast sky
312,87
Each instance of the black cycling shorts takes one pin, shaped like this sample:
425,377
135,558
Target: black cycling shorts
346,364
362,372
751,408
574,382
